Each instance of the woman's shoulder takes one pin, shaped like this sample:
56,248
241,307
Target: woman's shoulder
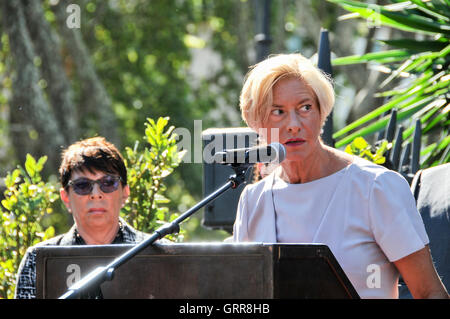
259,186
366,169
367,166
54,241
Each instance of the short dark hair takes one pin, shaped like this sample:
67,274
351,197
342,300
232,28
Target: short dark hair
92,154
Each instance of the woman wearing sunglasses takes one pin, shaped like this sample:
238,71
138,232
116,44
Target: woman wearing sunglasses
94,189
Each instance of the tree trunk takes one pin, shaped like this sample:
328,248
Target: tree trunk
244,28
34,128
95,101
59,89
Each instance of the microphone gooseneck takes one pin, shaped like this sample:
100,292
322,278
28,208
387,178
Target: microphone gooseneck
272,153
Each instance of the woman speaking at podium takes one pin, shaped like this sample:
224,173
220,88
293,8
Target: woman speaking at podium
364,212
94,189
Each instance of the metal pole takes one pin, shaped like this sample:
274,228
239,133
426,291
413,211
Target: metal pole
263,39
324,63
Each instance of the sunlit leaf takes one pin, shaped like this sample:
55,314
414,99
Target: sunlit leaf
30,165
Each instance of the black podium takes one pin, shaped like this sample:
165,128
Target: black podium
199,271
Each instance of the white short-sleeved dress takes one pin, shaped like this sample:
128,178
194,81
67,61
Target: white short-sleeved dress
365,213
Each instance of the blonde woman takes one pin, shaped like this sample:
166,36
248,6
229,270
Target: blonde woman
365,213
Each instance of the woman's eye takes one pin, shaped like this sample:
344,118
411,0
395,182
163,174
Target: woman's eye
306,107
276,112
82,184
108,182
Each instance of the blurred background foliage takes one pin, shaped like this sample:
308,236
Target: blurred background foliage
417,67
134,60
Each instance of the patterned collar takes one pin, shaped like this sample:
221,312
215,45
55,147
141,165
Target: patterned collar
119,239
125,235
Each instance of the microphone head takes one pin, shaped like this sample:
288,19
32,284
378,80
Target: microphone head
279,150
273,153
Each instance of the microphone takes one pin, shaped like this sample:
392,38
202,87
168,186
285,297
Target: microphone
272,153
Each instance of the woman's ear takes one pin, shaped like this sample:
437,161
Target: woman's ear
65,198
125,194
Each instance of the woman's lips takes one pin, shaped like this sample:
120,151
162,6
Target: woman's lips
294,142
97,210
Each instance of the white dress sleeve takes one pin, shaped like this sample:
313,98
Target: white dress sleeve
240,232
395,221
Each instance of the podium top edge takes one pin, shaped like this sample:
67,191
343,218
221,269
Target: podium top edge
187,245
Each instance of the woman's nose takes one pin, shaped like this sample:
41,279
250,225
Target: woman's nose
294,122
96,192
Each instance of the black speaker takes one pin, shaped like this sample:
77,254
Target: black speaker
221,213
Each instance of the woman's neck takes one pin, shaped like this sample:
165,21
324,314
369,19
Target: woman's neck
102,236
323,162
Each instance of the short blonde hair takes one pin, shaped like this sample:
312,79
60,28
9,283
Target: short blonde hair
256,95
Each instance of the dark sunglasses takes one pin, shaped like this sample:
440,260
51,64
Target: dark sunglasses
84,186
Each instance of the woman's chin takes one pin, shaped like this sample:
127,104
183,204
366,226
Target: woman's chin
295,154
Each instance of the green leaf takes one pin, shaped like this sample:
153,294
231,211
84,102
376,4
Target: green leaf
360,143
430,10
415,45
150,134
41,162
6,203
416,23
445,142
402,20
390,56
442,116
380,160
12,178
49,233
428,149
30,165
160,199
161,124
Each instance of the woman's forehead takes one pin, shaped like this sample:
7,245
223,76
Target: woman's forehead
292,85
91,174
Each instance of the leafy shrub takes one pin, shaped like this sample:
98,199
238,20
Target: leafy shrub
360,147
147,167
28,199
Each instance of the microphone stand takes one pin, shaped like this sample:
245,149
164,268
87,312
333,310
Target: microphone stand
89,286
